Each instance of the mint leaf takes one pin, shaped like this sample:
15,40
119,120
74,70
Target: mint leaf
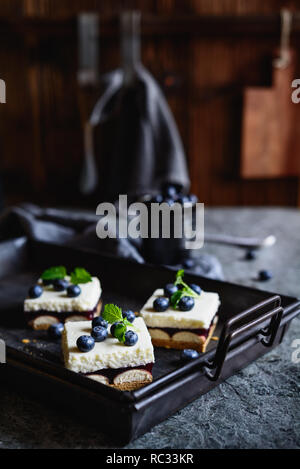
126,322
179,277
185,290
112,313
80,275
189,291
119,332
54,272
176,297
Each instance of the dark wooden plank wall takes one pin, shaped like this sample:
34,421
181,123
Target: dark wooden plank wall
40,129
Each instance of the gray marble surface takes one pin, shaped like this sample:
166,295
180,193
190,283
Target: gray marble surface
259,407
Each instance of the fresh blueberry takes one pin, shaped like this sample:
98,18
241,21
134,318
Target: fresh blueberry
131,338
35,291
186,303
250,255
73,291
55,330
129,315
170,191
99,321
196,288
85,343
161,304
265,275
99,333
188,355
115,327
169,289
60,284
188,263
193,198
158,198
183,199
169,201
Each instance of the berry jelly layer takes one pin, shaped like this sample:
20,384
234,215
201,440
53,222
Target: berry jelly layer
62,316
111,373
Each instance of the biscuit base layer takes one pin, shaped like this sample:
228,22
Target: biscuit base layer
181,345
44,321
130,380
130,386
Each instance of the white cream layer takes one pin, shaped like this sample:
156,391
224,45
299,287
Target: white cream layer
58,302
199,317
107,354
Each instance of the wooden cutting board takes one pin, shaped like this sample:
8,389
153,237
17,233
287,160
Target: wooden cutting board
270,127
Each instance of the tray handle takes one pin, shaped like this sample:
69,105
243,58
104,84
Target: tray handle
214,367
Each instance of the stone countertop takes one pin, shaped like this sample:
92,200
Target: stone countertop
259,407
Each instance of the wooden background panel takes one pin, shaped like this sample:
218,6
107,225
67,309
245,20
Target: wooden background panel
203,78
237,7
215,122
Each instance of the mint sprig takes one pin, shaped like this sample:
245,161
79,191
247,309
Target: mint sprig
176,297
185,289
80,275
179,277
120,331
112,313
54,272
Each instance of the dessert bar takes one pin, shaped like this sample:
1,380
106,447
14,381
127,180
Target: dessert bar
60,300
109,361
181,321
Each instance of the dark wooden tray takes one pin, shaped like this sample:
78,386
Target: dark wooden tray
250,322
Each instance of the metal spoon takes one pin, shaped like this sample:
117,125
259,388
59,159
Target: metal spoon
244,242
